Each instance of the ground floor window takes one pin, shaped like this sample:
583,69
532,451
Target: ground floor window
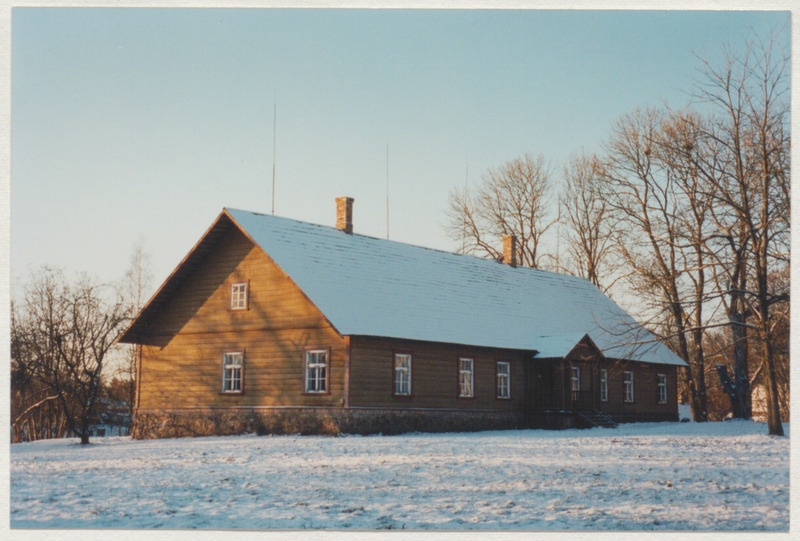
316,371
575,383
465,378
603,385
503,379
575,379
628,386
232,367
402,374
662,389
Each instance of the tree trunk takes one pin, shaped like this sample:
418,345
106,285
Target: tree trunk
730,389
774,423
743,409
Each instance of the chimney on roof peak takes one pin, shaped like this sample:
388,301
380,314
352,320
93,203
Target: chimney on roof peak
344,214
510,250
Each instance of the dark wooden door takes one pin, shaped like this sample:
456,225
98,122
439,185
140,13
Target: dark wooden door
543,385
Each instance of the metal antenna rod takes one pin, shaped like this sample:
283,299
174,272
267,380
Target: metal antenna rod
387,191
274,131
464,224
558,236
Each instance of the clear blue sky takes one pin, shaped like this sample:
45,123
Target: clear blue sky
140,125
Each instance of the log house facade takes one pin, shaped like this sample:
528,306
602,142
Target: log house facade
328,335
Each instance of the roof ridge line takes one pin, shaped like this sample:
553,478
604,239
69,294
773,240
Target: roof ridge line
393,241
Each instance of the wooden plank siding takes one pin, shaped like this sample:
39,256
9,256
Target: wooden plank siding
645,405
188,372
193,325
182,364
434,381
645,397
202,303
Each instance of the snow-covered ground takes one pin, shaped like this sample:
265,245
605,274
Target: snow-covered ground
659,476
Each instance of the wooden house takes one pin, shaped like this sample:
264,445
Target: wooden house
272,325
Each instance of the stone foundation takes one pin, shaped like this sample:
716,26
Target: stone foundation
554,420
319,421
642,418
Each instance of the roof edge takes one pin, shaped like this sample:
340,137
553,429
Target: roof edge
288,276
129,335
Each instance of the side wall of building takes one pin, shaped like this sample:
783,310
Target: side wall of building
180,385
575,384
435,376
645,405
182,370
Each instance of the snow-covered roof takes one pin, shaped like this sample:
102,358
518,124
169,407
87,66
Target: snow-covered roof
377,287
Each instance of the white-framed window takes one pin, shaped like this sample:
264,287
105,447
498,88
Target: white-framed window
662,389
402,374
575,379
603,385
466,377
503,379
239,296
316,371
232,372
628,386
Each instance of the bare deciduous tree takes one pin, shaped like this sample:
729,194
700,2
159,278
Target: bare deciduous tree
513,199
590,225
747,172
35,411
137,285
64,333
655,198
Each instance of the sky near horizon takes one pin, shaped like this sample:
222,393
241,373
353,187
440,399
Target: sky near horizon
139,126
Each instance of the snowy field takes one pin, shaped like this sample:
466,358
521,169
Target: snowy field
661,476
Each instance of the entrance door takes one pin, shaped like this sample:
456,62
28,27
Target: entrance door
544,385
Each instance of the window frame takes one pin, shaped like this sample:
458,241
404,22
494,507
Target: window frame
462,371
499,380
326,366
227,372
661,380
604,385
575,379
242,298
628,394
409,370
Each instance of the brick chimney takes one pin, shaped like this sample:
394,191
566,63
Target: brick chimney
344,214
510,250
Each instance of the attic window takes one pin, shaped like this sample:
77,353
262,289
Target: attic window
239,296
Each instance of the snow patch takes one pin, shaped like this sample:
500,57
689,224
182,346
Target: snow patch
647,476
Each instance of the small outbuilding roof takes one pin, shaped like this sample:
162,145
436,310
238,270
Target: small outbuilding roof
376,287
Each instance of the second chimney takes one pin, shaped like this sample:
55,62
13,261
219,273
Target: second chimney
344,214
510,250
